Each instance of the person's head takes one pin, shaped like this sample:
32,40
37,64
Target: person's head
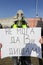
1,26
20,15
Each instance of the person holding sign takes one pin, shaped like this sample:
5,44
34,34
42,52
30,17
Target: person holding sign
40,24
20,23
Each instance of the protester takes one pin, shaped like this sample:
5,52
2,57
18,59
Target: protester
40,24
1,26
19,23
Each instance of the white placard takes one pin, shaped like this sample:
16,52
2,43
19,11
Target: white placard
20,42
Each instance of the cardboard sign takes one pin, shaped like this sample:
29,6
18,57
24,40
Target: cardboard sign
20,42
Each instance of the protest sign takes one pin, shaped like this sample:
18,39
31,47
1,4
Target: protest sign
20,42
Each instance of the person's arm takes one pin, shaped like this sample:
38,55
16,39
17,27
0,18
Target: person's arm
40,24
25,23
13,24
41,39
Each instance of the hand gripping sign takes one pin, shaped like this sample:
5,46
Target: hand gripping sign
20,42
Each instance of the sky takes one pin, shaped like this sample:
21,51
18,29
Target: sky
9,8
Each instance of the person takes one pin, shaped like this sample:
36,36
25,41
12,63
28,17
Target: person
19,23
40,24
1,26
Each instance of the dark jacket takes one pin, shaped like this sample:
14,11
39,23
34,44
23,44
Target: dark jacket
23,23
40,24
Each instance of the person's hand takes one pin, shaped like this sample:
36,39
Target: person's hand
41,40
